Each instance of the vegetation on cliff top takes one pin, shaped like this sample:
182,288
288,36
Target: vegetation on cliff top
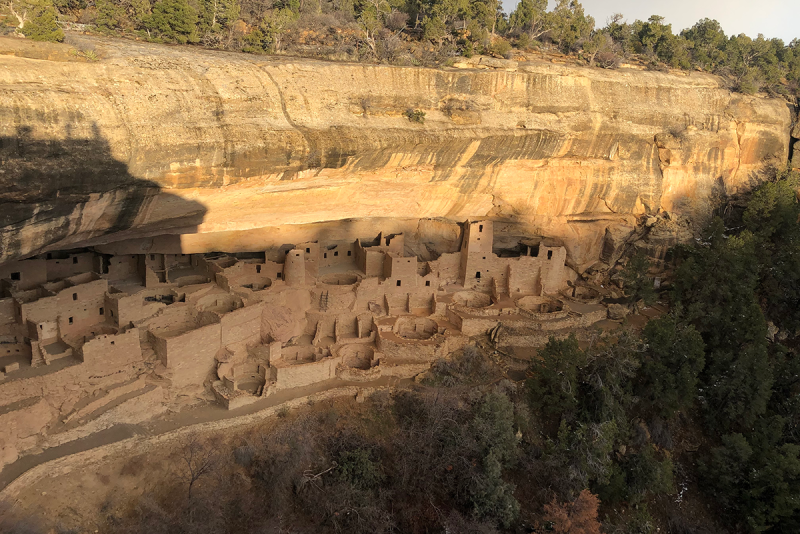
432,32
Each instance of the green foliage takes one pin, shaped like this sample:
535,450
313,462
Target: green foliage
358,468
647,474
718,284
553,389
757,478
671,365
568,25
637,284
42,24
109,15
415,115
773,217
174,20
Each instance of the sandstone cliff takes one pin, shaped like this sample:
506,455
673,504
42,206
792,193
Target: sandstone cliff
235,151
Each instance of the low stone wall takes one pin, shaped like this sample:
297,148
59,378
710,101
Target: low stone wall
142,444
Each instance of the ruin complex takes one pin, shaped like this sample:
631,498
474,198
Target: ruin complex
242,328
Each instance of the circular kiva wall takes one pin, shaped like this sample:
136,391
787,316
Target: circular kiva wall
472,299
339,279
415,327
254,281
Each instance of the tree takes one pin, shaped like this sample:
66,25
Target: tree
42,24
576,517
670,368
173,19
568,24
36,19
707,42
636,282
553,389
108,15
197,458
530,17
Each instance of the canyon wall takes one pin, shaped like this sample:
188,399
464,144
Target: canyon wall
236,152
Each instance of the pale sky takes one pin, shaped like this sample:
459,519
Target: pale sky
773,18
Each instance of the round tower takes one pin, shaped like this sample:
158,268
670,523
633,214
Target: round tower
294,268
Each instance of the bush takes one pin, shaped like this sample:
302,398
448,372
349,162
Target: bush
415,115
42,26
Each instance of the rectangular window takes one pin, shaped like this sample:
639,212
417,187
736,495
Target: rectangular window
74,296
308,251
258,269
349,252
101,311
15,276
75,259
427,283
336,253
112,342
111,312
480,228
549,254
70,320
325,255
152,256
478,274
279,276
398,283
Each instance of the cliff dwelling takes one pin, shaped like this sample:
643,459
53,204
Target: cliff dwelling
244,328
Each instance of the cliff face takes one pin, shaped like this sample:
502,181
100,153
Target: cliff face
230,149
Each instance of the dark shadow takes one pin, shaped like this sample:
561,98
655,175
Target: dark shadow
48,187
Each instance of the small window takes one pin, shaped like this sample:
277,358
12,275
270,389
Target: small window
479,239
308,251
111,312
15,276
152,256
49,256
478,275
349,252
112,342
101,311
258,269
297,255
336,253
398,283
484,257
41,326
427,283
75,259
70,320
325,255
549,254
74,296
279,275
480,228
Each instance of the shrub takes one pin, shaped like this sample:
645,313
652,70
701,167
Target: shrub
415,115
42,26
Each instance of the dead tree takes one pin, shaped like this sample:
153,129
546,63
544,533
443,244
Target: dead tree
198,459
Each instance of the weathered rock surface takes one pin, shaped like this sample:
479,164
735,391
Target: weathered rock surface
239,151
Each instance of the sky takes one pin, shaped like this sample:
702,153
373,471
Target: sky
773,18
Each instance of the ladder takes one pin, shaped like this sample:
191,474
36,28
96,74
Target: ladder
323,301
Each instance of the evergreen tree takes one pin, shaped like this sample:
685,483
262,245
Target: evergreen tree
174,20
41,23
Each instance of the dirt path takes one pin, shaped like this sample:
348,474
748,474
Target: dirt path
167,423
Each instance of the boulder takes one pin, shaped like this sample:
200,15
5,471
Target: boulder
617,312
614,242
